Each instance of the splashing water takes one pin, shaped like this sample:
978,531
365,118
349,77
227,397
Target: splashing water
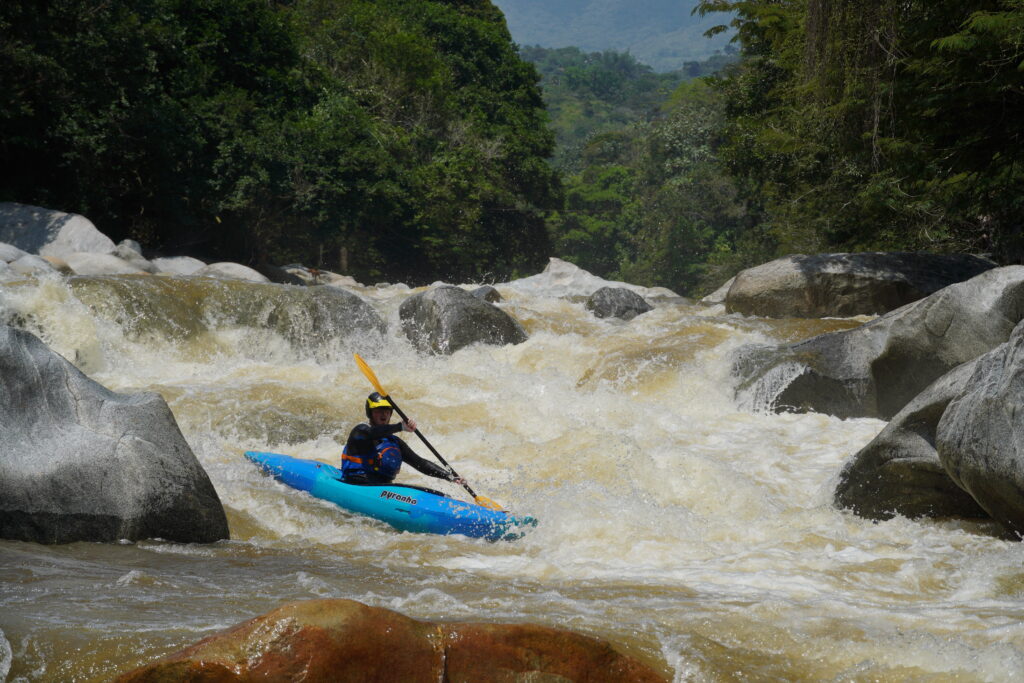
692,532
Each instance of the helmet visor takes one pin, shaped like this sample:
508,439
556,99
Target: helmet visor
382,403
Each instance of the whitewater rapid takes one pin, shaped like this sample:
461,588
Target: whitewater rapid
676,521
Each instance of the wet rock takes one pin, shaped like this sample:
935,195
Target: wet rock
488,294
900,472
563,279
343,640
876,369
101,264
616,302
178,265
131,251
82,463
46,232
9,252
30,264
980,438
719,295
231,271
312,319
846,285
445,319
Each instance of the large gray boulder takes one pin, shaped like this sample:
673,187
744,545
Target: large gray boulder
82,463
899,472
980,438
843,285
617,302
876,369
50,233
445,319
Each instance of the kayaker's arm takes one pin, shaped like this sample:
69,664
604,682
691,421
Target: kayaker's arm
410,457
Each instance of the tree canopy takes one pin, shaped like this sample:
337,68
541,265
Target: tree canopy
397,138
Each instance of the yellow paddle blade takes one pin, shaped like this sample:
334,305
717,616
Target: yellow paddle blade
485,502
369,374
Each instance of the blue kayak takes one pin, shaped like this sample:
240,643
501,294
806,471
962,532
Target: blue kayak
406,508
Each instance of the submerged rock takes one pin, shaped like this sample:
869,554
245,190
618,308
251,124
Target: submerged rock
845,285
82,463
876,369
616,302
343,640
445,319
177,308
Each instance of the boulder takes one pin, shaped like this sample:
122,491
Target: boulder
9,252
312,319
616,302
899,472
50,233
563,279
83,263
980,438
82,463
343,640
876,369
844,285
130,251
178,265
488,294
719,295
445,319
231,271
30,264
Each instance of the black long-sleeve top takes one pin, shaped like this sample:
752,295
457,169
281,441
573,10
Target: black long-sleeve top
362,442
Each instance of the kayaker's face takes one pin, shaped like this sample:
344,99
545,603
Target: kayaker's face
380,416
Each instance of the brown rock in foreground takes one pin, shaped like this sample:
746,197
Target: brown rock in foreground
344,640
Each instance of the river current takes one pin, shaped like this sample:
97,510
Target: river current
692,529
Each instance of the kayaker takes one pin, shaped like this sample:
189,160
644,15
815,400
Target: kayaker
374,455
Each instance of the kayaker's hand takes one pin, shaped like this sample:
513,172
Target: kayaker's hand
460,481
409,425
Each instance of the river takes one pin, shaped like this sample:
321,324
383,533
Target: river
692,529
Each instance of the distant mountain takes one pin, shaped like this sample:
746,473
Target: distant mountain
660,33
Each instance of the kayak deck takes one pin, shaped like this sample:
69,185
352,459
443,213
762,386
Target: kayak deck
406,508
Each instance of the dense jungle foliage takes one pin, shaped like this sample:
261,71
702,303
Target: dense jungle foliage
846,126
388,138
407,139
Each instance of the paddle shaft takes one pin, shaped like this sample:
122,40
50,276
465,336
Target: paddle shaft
432,449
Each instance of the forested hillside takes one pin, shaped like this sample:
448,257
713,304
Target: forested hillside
663,34
588,94
845,127
395,138
407,139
